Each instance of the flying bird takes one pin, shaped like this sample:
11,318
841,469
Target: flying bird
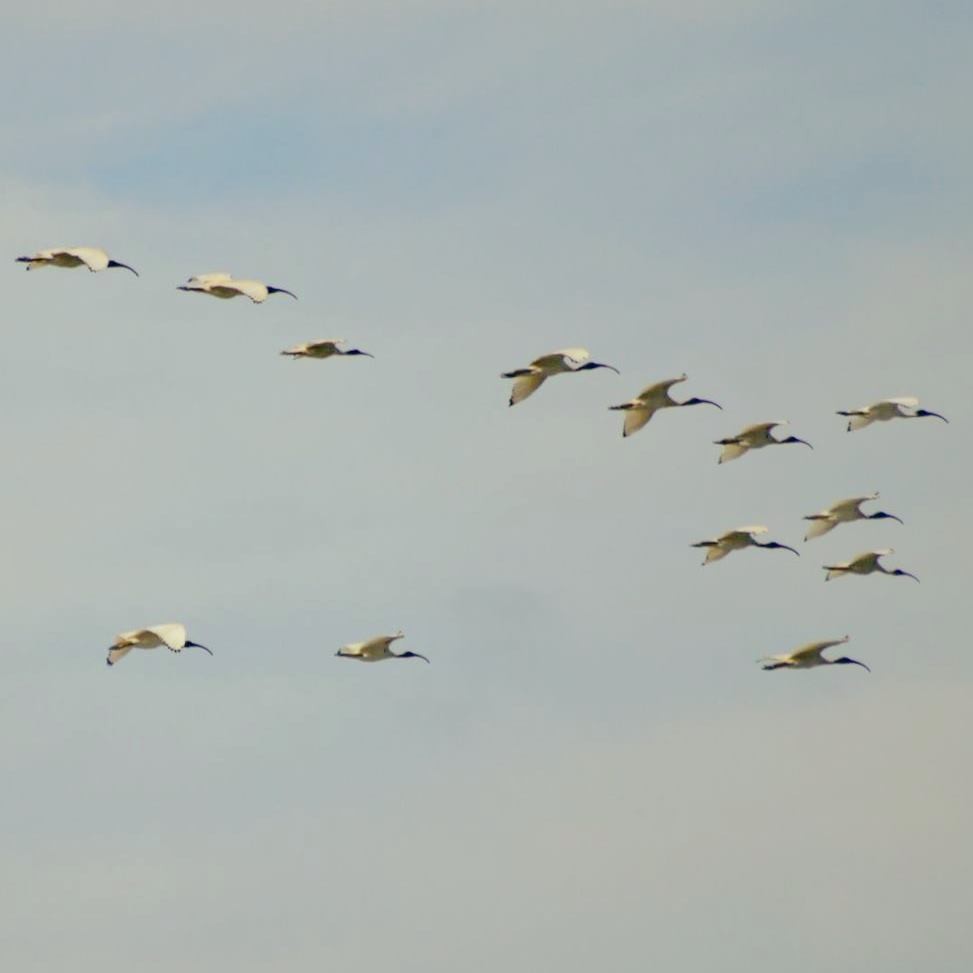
650,400
844,512
171,635
225,286
810,657
867,563
903,407
736,540
94,258
754,437
528,380
376,649
323,348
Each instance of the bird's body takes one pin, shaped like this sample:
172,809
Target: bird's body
172,635
843,512
225,286
810,657
736,540
754,437
867,563
94,258
902,407
376,649
650,400
528,380
323,348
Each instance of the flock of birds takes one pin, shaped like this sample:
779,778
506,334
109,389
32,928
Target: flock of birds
526,381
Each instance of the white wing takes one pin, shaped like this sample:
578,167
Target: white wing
254,289
94,258
525,385
909,401
816,648
172,634
658,390
850,505
576,355
859,422
635,419
819,528
206,280
760,428
732,451
750,529
115,653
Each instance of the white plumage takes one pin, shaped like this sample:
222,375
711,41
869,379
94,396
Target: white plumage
225,286
901,407
376,649
94,258
736,540
810,657
756,436
568,360
172,635
650,400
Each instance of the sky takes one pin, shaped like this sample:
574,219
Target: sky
593,772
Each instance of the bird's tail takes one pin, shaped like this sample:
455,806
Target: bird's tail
517,373
775,665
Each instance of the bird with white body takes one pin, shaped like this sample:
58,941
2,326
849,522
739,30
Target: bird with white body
867,563
225,286
376,649
737,540
902,407
172,635
810,656
650,400
754,437
323,348
844,512
94,258
566,361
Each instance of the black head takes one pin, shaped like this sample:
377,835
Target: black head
845,661
358,351
794,439
696,401
903,574
922,413
410,655
594,364
783,547
280,290
195,645
117,263
882,515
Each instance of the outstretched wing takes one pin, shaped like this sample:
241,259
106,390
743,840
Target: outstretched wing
820,527
732,451
659,390
816,648
851,504
172,634
526,385
115,653
635,419
760,428
93,258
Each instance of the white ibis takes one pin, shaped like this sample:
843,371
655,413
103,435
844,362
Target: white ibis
844,512
568,360
94,258
810,657
650,400
754,437
376,649
171,635
225,286
323,348
867,563
903,407
736,540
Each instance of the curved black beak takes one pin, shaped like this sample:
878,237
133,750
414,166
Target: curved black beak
280,290
596,364
794,439
358,351
783,547
118,263
696,401
904,574
920,413
410,655
882,515
845,661
196,645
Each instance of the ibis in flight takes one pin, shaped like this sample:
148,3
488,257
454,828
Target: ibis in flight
650,400
225,286
94,258
867,563
171,635
811,656
323,348
376,649
569,360
844,512
903,407
754,437
736,540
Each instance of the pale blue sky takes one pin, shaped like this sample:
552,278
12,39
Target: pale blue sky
593,773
